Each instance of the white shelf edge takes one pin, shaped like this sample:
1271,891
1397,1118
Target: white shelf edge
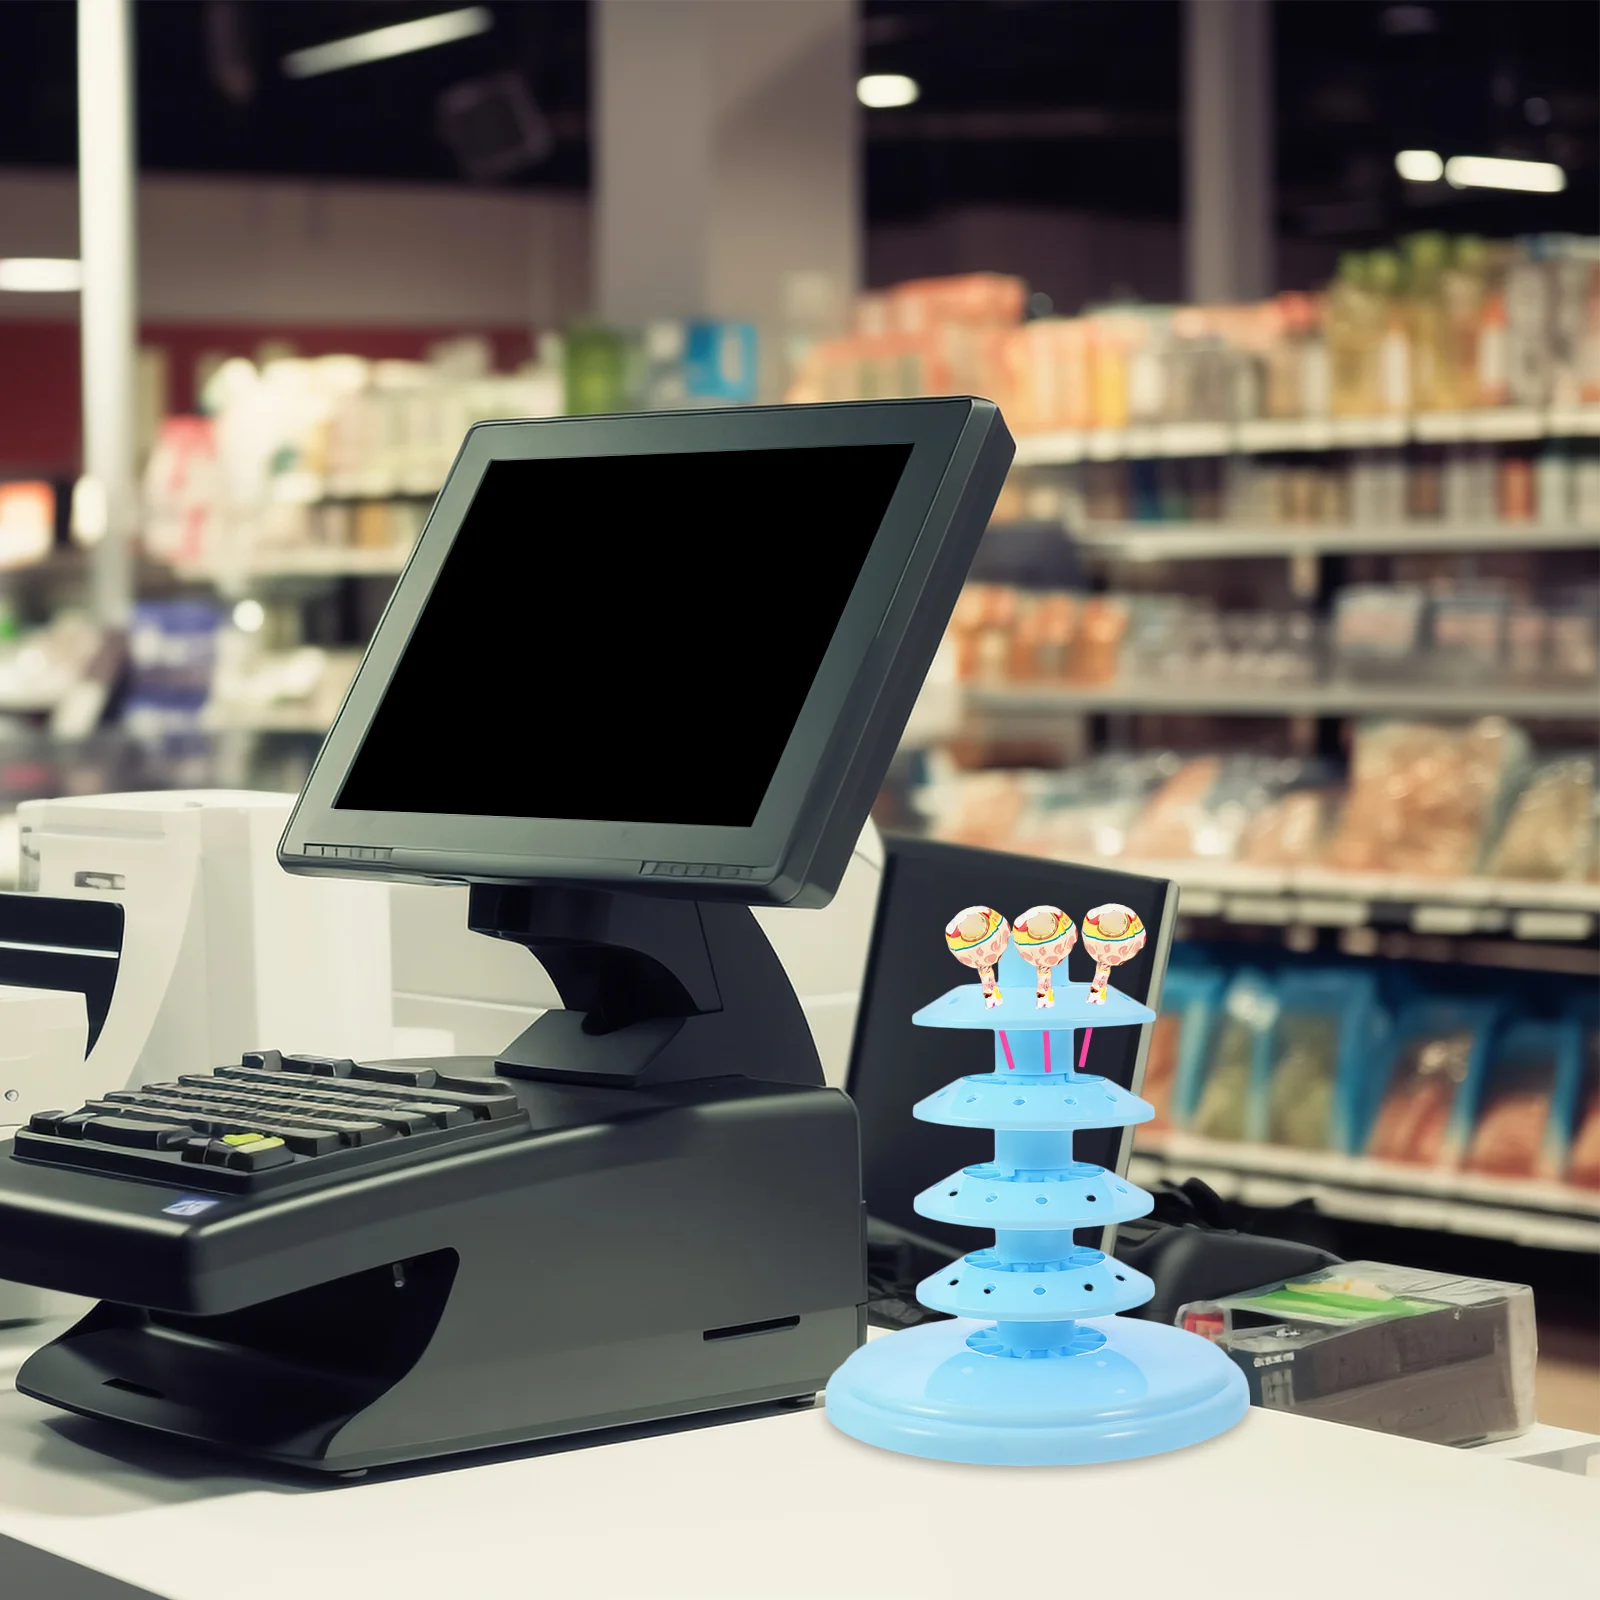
306,563
1311,699
1261,435
1315,895
1202,541
1524,1211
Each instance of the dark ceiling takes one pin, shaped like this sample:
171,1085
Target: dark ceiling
1063,103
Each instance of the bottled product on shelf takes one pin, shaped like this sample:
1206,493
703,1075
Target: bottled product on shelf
1527,486
1440,325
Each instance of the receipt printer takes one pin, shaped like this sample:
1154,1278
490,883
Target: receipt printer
597,700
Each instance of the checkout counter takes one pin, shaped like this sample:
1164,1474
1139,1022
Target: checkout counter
675,1112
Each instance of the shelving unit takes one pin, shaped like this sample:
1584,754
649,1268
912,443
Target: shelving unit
1271,435
1221,541
309,561
1328,699
1552,1216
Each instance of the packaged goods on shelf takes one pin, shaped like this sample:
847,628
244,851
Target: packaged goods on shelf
1442,325
1446,632
1422,800
1330,1024
40,667
930,336
1531,1079
1422,1113
1478,486
297,689
334,452
1006,635
27,522
172,652
1189,1000
1374,1063
1578,1154
1427,799
1221,1103
1549,833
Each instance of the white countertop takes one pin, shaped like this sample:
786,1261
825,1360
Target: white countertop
787,1507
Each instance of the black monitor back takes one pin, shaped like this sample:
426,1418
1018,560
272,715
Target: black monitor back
893,1064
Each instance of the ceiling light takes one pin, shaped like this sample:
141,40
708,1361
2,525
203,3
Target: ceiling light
380,43
882,91
249,616
1498,172
40,274
1419,166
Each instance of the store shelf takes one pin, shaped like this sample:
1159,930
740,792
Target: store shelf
264,719
1290,699
1552,1216
1207,541
1285,434
311,561
1320,897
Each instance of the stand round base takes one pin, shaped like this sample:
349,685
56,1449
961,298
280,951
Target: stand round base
926,1392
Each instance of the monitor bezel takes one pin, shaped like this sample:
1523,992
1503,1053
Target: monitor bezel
959,452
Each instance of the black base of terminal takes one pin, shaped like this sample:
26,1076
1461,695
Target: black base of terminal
655,990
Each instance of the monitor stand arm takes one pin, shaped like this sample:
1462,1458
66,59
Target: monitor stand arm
656,990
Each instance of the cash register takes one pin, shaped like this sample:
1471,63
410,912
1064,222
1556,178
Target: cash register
641,675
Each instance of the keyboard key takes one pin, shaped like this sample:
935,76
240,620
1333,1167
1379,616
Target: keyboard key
136,1133
307,1138
497,1101
406,1077
262,1155
320,1066
256,1155
275,1115
463,1083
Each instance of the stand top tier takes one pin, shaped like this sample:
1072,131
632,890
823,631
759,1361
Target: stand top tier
963,1007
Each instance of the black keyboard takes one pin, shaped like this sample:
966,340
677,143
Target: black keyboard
272,1119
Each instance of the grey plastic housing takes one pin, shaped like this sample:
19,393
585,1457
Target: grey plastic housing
795,851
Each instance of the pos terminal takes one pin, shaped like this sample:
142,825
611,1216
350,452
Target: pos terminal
641,674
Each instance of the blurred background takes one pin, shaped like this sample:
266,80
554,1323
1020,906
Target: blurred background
1293,594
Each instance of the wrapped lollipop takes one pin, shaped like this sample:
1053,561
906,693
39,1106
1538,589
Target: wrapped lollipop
1112,934
1044,936
976,938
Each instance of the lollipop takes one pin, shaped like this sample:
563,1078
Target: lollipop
1112,934
976,937
1044,935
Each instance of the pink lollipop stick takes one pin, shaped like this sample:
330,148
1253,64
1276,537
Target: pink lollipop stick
1047,1050
1005,1044
1083,1054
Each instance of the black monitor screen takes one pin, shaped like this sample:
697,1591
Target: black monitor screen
625,638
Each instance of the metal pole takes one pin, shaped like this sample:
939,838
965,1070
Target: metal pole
1228,135
109,315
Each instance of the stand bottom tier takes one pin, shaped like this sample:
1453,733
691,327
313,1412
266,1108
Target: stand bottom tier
1149,1388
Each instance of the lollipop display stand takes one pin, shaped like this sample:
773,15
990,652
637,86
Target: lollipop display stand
1036,1368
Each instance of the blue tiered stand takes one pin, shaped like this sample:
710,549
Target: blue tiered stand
1037,1369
